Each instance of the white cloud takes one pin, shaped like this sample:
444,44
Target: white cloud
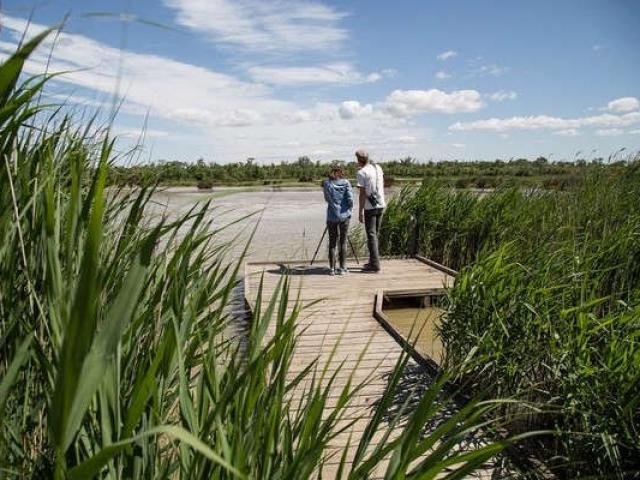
442,75
166,88
492,70
623,105
458,145
502,95
336,73
548,122
225,118
610,132
351,109
135,133
259,25
597,48
405,103
634,132
569,132
60,98
406,139
447,55
238,117
373,77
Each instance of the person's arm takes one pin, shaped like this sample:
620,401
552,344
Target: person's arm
350,195
325,191
362,199
361,179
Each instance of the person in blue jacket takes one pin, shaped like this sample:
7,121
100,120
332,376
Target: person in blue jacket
339,197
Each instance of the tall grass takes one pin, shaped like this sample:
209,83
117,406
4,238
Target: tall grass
547,304
118,357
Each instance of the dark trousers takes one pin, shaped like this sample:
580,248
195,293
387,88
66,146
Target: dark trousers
338,232
372,227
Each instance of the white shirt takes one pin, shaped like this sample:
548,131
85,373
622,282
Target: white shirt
371,178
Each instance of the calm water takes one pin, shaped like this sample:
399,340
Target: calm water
419,325
289,223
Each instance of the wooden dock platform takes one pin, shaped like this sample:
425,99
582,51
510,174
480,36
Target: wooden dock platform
342,308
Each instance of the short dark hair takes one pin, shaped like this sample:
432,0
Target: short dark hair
337,171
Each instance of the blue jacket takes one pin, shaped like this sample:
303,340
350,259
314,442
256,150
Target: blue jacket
339,199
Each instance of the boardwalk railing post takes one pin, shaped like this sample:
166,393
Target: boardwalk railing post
413,240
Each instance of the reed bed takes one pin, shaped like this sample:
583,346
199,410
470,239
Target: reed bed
119,357
546,306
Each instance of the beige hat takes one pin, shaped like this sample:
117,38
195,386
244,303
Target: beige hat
362,153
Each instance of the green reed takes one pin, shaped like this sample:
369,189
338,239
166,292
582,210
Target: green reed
546,306
120,356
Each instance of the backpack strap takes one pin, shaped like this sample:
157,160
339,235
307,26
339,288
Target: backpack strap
375,167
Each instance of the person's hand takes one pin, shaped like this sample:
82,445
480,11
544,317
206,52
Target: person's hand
361,217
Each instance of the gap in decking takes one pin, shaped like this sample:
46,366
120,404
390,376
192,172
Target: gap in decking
413,319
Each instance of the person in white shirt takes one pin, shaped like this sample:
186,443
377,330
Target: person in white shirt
371,184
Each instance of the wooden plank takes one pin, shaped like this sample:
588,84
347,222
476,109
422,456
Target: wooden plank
439,266
341,328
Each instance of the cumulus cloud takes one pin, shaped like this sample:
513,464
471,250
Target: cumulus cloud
352,108
609,132
259,25
80,100
548,122
130,132
166,88
502,95
442,75
373,77
334,73
623,105
405,103
226,117
492,70
447,55
569,132
406,139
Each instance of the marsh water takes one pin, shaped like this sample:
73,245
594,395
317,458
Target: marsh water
286,224
419,326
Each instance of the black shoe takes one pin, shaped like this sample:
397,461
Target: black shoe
368,268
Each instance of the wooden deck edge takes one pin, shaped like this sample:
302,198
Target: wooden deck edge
382,318
414,292
436,265
516,453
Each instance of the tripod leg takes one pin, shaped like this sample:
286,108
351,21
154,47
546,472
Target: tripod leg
319,244
353,250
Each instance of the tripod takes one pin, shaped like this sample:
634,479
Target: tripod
353,250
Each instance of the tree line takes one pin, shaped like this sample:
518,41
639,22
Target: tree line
461,174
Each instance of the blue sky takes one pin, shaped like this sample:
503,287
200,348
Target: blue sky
276,79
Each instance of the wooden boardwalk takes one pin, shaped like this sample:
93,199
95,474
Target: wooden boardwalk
343,310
